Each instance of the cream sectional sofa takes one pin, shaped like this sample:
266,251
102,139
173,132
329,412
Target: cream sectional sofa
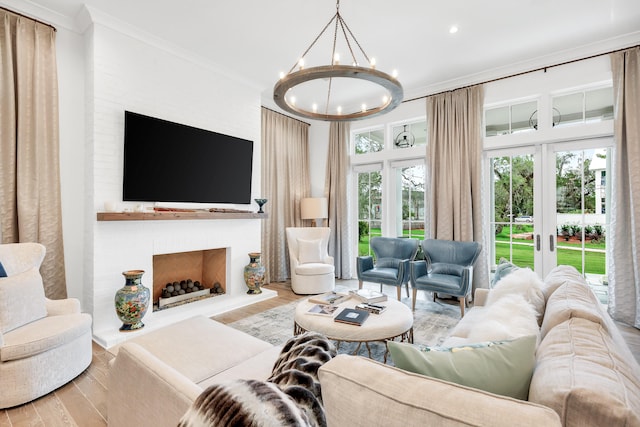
585,374
154,378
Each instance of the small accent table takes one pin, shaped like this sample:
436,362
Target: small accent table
395,322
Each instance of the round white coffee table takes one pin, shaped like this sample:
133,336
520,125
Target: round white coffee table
396,322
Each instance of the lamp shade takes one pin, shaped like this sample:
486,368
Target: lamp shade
314,207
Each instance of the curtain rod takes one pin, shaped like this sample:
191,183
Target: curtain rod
29,17
289,117
524,72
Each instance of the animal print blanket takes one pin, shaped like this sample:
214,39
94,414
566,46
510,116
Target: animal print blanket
290,397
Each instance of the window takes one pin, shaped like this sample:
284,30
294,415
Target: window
513,118
583,107
410,200
369,205
409,134
369,142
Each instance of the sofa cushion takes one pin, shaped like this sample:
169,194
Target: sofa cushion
393,397
22,299
572,299
44,335
582,375
200,348
501,367
557,277
310,251
314,268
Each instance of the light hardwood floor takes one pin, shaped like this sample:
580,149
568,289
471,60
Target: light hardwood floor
83,402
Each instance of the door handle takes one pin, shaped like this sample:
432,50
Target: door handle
538,242
551,242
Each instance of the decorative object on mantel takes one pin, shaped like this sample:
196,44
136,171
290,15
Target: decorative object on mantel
132,301
260,203
254,273
335,75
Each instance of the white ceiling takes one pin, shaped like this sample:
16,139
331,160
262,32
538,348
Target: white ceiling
257,39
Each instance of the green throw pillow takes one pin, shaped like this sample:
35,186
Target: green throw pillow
503,268
500,367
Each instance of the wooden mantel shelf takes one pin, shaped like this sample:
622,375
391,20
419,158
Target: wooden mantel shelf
175,215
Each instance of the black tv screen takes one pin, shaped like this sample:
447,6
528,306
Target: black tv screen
171,162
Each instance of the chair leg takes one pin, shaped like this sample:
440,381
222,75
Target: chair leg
463,304
399,292
413,302
407,284
434,297
359,284
380,287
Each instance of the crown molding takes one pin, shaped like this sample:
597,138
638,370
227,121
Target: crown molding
582,52
40,13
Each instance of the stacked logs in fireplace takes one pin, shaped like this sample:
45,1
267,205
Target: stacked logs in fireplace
184,291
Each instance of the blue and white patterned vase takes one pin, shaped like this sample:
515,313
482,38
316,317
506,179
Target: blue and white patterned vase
254,273
132,301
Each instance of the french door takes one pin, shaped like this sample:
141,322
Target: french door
548,206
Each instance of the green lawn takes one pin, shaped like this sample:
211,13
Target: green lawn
522,254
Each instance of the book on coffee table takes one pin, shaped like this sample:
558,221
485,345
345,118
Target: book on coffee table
352,316
368,296
331,298
323,310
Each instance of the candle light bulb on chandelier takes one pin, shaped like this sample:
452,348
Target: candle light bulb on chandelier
373,63
394,73
339,109
364,108
301,63
336,59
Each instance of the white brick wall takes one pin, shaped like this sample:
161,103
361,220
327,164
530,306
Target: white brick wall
125,73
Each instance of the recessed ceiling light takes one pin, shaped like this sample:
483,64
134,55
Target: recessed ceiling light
453,29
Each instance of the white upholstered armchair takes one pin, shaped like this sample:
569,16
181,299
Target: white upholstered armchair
312,268
43,343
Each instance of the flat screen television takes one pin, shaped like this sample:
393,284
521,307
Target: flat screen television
171,162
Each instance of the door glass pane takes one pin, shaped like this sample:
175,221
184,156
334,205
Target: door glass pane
411,201
512,211
369,142
581,199
369,209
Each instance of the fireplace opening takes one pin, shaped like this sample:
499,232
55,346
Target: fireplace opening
184,277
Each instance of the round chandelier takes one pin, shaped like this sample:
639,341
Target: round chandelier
329,75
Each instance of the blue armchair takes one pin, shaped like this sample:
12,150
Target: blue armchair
448,268
392,262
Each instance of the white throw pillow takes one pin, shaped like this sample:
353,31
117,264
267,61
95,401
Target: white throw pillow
520,282
310,251
508,318
22,299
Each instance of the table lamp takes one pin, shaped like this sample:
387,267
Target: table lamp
313,208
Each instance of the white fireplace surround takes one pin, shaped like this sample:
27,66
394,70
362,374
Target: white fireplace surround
127,245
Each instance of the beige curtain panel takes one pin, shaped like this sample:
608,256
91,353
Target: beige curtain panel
29,143
624,233
336,191
285,181
454,170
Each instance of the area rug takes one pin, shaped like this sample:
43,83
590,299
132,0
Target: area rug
433,321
